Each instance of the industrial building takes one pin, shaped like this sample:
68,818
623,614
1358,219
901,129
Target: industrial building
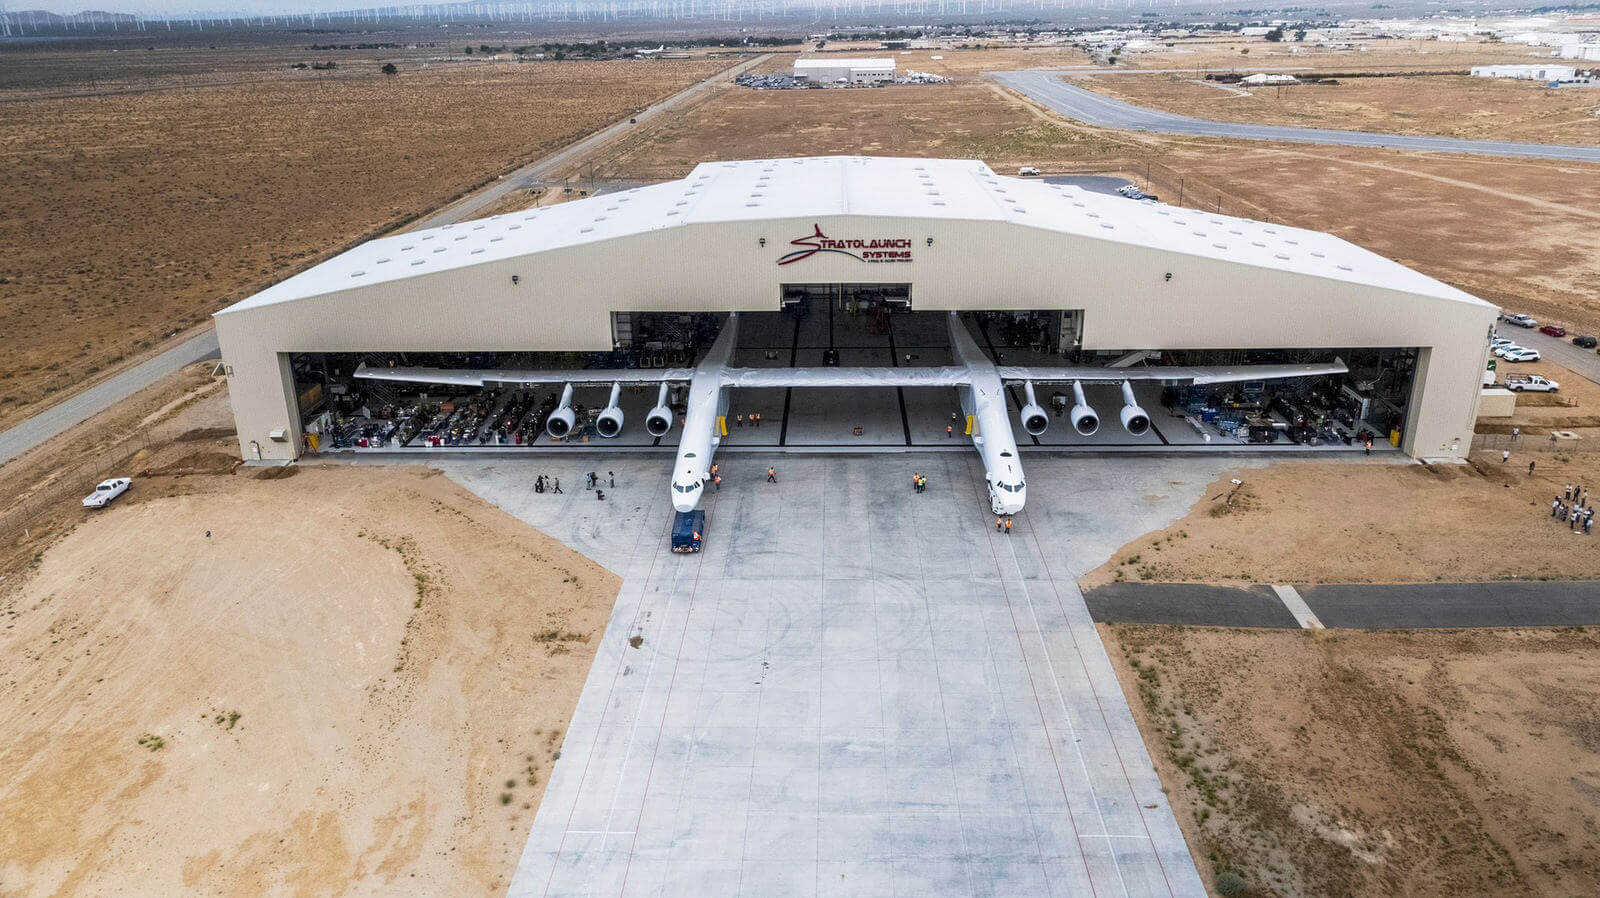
1539,72
844,70
869,263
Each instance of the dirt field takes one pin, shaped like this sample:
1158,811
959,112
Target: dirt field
139,210
1376,54
355,684
1336,763
1449,105
1319,522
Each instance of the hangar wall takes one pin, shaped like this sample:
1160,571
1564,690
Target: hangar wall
564,297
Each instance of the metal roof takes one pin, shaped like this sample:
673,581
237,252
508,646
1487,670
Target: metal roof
823,186
841,62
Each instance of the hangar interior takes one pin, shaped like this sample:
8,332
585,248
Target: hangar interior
851,325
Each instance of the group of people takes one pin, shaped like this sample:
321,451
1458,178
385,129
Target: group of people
739,419
919,483
594,484
1002,524
1572,508
546,484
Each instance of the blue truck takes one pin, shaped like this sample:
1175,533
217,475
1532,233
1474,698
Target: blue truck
688,531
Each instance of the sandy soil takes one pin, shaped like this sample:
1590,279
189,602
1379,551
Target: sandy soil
969,119
1449,105
355,685
1343,522
1334,763
131,215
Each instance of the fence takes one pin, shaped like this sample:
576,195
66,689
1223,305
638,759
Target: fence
70,484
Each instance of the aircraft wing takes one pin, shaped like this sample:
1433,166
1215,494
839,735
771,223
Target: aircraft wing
1199,375
477,377
946,376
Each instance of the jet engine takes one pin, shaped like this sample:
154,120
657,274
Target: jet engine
659,421
1033,418
561,421
609,422
1135,420
1084,420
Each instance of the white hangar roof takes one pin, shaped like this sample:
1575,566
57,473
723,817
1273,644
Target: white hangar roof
845,62
831,186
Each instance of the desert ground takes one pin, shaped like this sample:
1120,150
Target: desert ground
1339,763
1314,522
361,680
141,199
1448,105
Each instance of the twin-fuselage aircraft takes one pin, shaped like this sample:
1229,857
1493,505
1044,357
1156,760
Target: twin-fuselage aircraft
980,383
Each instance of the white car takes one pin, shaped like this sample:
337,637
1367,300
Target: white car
107,491
1500,351
1498,342
1522,355
1521,320
1028,171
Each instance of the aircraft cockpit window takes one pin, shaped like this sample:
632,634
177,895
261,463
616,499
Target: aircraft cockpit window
685,488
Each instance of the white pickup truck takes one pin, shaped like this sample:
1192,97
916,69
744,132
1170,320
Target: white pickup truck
107,491
1532,383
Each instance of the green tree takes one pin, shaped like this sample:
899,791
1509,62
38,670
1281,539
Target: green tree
389,69
1275,35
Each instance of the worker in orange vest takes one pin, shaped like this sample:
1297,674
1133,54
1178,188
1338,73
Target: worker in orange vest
772,475
1008,526
999,524
949,430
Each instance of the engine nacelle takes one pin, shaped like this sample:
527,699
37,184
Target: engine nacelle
1033,418
1084,420
609,422
1135,420
659,421
562,420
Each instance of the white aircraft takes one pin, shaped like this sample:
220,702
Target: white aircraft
656,52
980,383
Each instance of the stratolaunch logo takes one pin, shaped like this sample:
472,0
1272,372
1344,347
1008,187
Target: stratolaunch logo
887,249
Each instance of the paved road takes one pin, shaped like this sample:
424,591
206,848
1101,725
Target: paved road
82,406
78,408
1098,109
1359,606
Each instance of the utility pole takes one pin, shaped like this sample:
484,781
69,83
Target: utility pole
1180,193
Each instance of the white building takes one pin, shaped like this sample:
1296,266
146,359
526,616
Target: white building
1588,52
929,236
1261,78
821,70
1539,72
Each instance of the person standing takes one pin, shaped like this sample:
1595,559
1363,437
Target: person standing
1555,504
949,431
611,479
915,483
924,483
718,481
558,485
1516,433
738,420
999,524
1530,468
1008,526
1505,456
772,475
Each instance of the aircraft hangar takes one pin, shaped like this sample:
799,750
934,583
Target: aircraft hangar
827,260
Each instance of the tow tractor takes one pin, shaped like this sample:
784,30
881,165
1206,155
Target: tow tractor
688,531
